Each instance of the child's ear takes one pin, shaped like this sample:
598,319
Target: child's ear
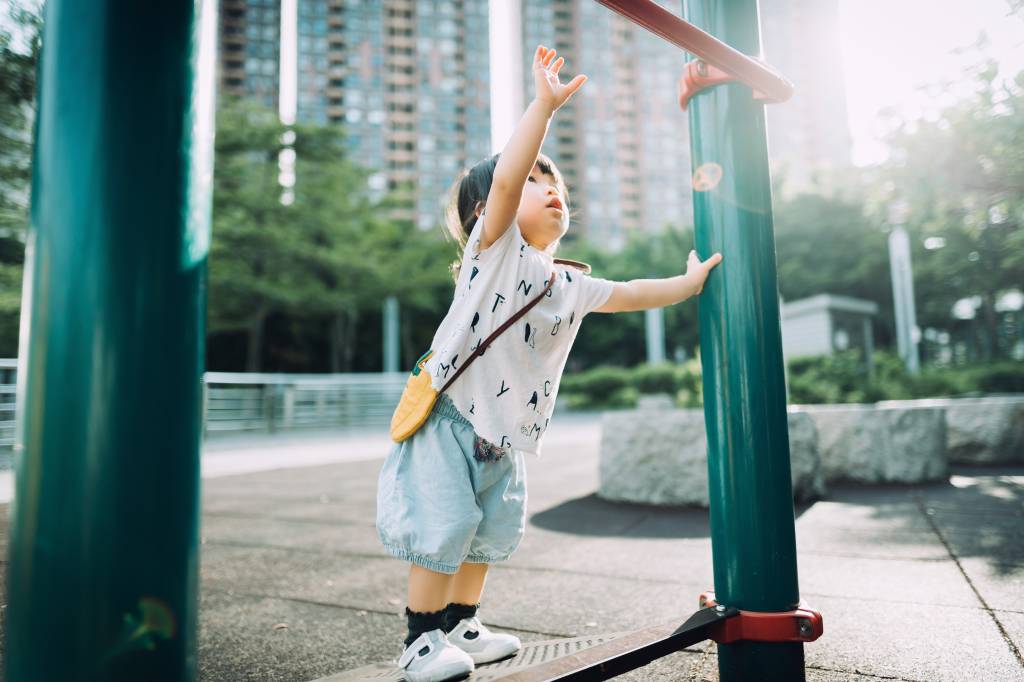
479,208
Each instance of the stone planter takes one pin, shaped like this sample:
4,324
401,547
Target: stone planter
894,442
658,455
981,430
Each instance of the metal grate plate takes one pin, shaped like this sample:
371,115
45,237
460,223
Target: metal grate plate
533,653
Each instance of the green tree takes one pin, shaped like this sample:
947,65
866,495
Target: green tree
827,245
319,266
20,34
962,176
620,339
251,269
359,255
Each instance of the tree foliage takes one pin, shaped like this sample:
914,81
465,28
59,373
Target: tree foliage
323,261
961,174
20,38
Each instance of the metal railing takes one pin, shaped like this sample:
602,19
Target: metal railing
239,402
8,370
267,403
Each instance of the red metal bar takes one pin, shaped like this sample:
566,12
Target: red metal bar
658,20
698,75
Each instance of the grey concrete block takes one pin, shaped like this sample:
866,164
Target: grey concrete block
659,456
654,456
883,443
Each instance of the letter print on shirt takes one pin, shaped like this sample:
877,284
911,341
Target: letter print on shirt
443,367
525,287
547,390
476,318
503,390
558,323
531,431
498,298
476,271
533,401
531,336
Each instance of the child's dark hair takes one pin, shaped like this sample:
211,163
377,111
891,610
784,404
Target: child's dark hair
469,192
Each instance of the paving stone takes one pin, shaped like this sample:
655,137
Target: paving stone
1000,585
870,636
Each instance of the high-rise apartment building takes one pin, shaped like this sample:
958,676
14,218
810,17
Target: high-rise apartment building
410,82
407,79
622,141
250,43
809,135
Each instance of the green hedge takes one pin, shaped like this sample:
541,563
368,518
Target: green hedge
839,378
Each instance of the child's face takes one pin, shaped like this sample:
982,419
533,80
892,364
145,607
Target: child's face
541,222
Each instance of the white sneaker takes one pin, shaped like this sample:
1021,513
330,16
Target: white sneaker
432,658
481,644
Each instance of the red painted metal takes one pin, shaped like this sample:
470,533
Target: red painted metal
699,75
771,85
802,624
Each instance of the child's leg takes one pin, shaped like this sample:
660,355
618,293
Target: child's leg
425,609
468,583
428,590
464,596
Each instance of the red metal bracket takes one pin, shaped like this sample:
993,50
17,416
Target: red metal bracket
803,624
700,75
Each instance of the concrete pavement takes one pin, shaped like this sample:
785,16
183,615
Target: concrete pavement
922,582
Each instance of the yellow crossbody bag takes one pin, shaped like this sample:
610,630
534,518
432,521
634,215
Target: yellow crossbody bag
419,394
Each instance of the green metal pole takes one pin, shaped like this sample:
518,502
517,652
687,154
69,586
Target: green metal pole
752,519
103,557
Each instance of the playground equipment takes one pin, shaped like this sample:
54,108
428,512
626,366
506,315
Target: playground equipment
103,563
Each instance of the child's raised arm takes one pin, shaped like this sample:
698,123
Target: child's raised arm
520,153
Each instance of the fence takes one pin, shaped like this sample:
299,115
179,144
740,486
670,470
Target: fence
8,370
267,403
283,402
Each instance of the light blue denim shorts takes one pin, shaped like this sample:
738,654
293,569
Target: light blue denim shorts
439,506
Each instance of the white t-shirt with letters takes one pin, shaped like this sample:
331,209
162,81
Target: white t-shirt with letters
508,393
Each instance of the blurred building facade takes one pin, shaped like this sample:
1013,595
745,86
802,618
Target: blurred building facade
809,137
250,49
622,142
410,82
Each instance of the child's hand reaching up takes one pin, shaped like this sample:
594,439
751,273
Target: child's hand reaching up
550,90
697,271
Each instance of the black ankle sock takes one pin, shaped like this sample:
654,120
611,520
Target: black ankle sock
422,621
453,613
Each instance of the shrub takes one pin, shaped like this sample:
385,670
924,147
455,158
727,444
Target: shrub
597,382
838,378
1002,377
661,378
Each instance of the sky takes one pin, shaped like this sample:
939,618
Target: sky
892,46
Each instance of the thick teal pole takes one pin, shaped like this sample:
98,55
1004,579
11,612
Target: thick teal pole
103,558
752,522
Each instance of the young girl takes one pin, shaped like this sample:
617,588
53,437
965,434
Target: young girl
452,498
